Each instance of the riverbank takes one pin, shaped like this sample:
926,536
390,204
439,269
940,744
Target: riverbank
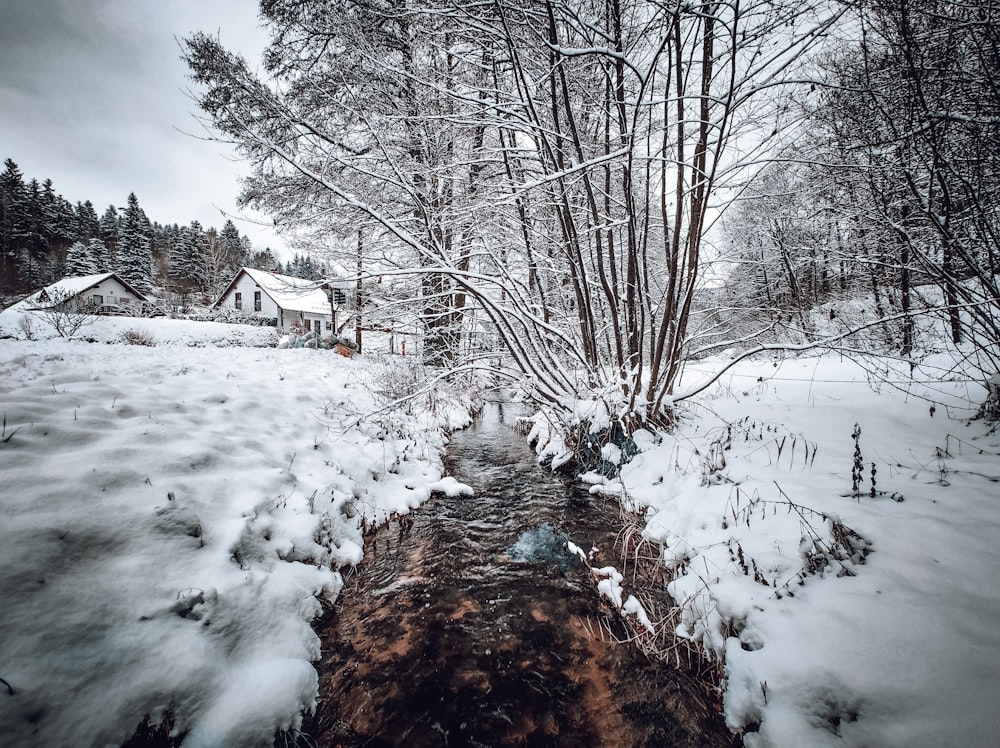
174,518
830,535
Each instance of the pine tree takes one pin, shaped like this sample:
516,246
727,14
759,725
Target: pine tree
303,266
186,261
264,260
135,260
13,221
79,261
58,228
109,227
99,255
87,225
246,251
34,254
232,247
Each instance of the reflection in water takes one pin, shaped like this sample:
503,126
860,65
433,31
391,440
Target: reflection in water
475,626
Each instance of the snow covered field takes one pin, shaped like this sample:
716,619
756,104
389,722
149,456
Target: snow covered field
174,515
172,518
844,620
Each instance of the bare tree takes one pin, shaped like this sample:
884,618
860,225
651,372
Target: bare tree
213,263
915,107
64,311
555,164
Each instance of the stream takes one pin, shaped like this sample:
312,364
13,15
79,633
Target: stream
471,624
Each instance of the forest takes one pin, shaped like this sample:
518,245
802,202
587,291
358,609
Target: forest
617,188
44,237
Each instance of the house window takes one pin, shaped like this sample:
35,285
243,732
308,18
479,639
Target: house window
256,301
238,301
316,326
97,299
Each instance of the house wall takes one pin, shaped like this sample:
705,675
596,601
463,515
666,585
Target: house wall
289,318
311,319
246,287
110,292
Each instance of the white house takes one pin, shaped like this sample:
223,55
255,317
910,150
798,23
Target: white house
283,300
104,293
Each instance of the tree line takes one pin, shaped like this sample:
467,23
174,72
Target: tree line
893,189
44,237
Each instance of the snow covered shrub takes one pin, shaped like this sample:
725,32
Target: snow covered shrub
602,450
399,381
235,317
27,327
138,337
839,548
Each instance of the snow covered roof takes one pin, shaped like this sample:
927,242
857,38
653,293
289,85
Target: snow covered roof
291,294
69,287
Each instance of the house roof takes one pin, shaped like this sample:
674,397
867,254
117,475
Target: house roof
291,294
70,287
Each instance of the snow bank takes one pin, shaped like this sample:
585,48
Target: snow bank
160,331
173,519
843,618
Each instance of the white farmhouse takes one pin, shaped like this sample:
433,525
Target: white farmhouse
282,300
103,293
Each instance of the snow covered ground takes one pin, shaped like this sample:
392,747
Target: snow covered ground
172,518
843,619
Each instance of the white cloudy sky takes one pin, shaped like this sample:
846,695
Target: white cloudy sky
92,95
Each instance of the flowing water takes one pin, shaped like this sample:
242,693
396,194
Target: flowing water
471,624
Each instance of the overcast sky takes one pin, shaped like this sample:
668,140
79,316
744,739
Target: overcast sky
92,96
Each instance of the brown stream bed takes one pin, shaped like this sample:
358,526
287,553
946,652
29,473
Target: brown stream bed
452,633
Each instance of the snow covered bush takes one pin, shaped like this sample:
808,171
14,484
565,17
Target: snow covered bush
134,336
166,332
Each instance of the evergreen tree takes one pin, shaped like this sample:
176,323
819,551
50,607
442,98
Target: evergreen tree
79,261
135,259
246,251
264,260
87,225
99,255
59,226
186,261
34,253
232,247
13,221
109,228
303,266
